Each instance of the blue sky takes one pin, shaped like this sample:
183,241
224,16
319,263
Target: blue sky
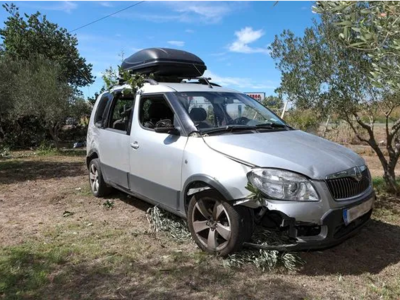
231,37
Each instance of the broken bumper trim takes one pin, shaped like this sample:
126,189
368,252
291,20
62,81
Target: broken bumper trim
337,232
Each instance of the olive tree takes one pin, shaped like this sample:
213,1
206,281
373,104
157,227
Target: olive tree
274,103
37,91
372,27
320,73
6,80
24,36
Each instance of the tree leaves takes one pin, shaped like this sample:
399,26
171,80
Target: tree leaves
376,28
32,35
347,65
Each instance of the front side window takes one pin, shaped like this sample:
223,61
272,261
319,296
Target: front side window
213,110
155,112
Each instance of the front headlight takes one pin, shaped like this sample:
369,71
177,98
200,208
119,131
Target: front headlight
283,185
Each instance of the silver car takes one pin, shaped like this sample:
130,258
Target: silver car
193,148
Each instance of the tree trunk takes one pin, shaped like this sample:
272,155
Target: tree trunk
53,132
388,167
390,173
390,179
1,134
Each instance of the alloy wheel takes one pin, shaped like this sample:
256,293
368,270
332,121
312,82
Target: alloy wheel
94,178
211,224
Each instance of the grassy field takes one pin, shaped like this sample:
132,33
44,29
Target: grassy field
59,242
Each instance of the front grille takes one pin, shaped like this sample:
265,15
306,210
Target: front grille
347,187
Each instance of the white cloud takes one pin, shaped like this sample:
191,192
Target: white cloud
66,6
106,4
247,36
177,43
239,82
189,31
208,12
185,12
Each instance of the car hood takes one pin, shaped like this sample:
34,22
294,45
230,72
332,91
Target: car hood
293,150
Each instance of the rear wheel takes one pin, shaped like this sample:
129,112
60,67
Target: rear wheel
216,226
97,184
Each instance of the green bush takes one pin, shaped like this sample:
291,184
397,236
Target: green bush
23,133
306,120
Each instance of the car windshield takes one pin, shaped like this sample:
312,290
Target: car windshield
214,111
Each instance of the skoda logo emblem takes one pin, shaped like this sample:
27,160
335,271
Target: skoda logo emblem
357,175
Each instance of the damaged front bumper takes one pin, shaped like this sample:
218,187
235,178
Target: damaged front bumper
319,225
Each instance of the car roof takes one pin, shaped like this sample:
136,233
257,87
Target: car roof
176,87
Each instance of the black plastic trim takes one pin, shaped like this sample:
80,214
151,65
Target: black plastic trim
207,180
114,175
91,152
154,191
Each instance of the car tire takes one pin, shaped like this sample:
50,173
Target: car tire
98,186
217,226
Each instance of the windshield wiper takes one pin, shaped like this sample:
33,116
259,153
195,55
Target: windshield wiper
229,128
272,125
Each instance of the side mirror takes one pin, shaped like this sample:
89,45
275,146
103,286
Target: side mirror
170,130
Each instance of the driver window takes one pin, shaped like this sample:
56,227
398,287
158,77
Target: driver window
155,112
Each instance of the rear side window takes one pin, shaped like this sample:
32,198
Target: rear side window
121,112
101,109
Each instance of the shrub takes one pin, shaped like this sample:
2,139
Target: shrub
306,120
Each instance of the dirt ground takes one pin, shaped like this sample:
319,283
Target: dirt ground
57,241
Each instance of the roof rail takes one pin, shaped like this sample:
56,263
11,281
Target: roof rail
151,81
203,80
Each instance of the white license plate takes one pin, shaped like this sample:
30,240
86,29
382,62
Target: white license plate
349,215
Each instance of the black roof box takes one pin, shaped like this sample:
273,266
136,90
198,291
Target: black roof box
165,62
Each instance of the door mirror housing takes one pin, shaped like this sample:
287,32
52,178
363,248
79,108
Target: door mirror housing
167,129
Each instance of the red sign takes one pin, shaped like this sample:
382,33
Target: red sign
256,96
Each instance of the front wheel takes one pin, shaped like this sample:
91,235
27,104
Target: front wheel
216,226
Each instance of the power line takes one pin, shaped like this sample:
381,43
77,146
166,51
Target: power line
95,21
105,17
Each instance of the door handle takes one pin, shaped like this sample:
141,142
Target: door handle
135,145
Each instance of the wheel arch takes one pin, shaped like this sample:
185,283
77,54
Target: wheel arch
91,155
199,183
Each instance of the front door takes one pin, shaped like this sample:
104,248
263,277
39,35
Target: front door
155,158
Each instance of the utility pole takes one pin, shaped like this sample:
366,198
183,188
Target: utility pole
284,109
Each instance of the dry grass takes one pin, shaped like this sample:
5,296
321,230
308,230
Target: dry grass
343,134
101,253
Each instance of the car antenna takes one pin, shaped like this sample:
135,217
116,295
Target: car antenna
204,78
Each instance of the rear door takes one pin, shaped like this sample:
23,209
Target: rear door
155,158
114,140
